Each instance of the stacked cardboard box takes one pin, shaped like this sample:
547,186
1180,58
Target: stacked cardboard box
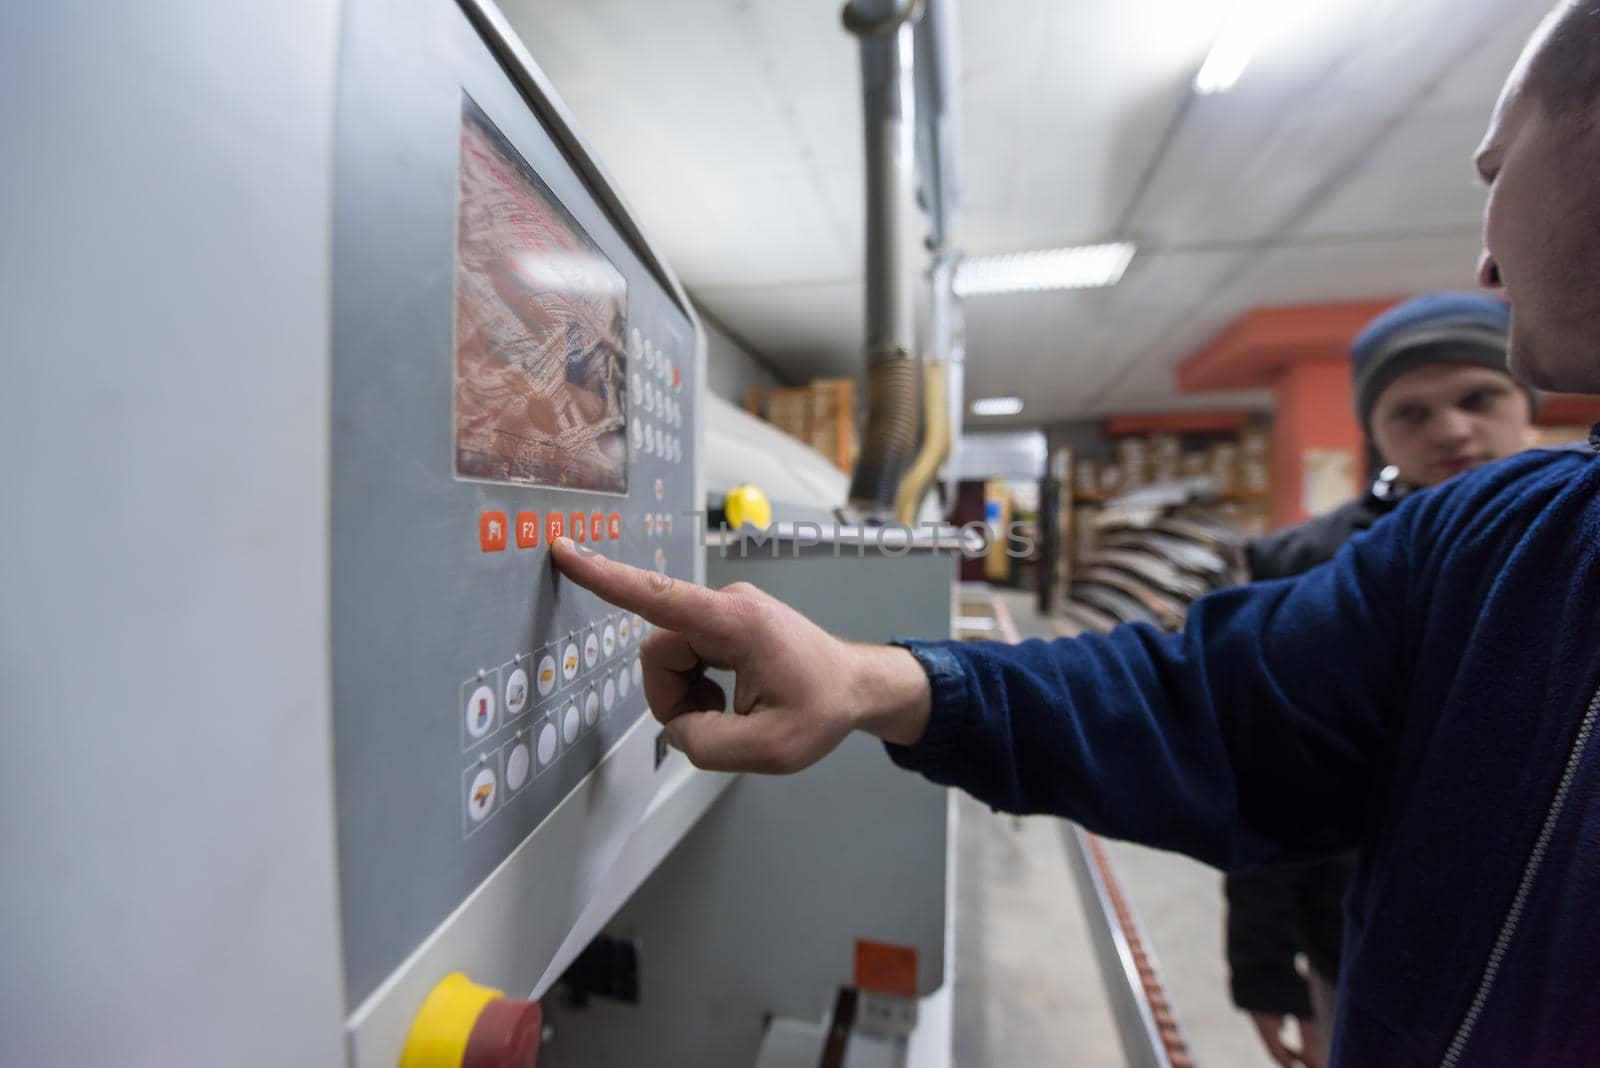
823,415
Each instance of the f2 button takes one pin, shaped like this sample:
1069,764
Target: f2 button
527,530
492,532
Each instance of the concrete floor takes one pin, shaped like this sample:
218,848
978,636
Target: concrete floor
1027,986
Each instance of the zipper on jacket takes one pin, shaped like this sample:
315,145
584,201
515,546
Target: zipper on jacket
1530,871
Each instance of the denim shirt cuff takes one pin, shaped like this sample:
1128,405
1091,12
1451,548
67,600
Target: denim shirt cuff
950,682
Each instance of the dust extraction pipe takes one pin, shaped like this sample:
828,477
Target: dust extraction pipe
889,441
941,373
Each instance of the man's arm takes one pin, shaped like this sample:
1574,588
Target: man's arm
1252,736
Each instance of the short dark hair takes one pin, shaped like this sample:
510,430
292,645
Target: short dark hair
1565,74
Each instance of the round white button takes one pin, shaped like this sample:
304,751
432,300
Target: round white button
649,442
480,795
624,683
638,627
608,641
545,680
649,355
480,712
668,519
661,560
624,630
547,744
518,762
666,368
516,692
661,489
570,722
636,434
635,343
591,709
569,661
608,696
638,674
636,386
591,650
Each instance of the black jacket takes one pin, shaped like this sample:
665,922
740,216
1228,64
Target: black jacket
1277,912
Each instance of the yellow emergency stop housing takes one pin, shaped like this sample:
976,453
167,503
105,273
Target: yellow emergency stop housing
439,1033
747,504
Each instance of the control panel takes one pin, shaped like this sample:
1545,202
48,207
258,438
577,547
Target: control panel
509,367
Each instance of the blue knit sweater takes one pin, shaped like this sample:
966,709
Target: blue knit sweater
1426,697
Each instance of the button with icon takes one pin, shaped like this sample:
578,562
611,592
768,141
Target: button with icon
478,707
481,790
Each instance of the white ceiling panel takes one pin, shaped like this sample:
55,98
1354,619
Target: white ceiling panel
1420,179
816,326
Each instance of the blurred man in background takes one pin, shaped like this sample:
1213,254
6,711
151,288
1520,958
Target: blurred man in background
1434,397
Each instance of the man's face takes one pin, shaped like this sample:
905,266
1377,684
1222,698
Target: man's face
1542,234
1437,421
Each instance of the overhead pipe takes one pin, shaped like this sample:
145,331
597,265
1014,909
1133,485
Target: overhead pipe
889,441
943,344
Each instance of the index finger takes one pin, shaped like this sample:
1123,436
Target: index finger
663,600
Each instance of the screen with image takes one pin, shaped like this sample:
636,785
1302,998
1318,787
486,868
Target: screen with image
541,315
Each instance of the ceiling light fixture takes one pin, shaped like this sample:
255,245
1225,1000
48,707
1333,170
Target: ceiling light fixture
1237,42
997,406
1080,267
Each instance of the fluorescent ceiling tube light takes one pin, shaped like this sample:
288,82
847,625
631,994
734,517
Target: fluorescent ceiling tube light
1237,42
997,406
1081,267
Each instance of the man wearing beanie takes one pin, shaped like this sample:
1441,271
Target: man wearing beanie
1435,399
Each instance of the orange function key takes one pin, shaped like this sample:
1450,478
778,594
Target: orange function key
555,525
597,527
492,532
527,530
579,526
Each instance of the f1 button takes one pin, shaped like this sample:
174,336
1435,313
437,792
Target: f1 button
492,532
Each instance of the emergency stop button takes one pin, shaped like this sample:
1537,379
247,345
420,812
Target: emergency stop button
464,1025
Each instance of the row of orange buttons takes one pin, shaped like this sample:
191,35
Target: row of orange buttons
595,526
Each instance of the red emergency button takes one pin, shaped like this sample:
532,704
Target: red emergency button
527,530
614,526
579,526
597,527
506,1035
555,525
492,531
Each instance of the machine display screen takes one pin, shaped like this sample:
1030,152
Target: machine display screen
541,316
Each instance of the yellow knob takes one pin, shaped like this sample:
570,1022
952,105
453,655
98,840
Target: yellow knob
747,504
439,1034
